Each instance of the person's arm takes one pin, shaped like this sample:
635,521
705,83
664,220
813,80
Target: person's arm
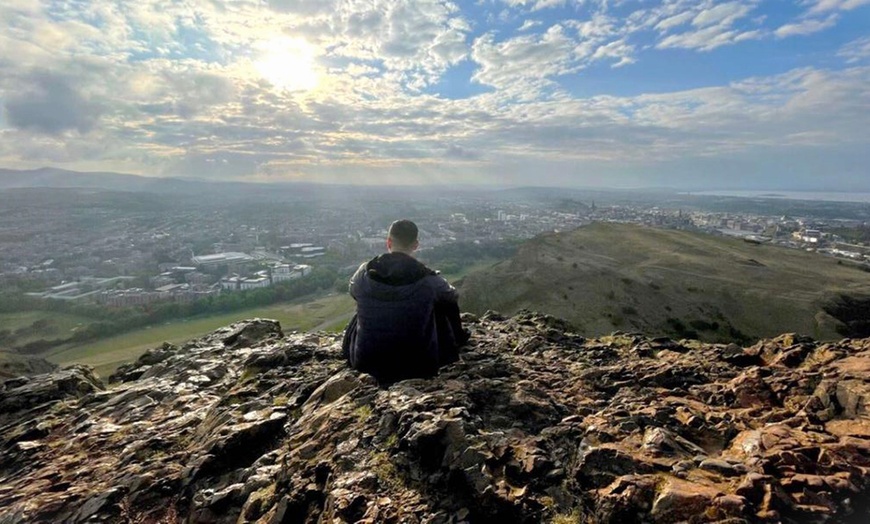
355,280
444,292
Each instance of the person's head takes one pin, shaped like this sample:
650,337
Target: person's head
402,237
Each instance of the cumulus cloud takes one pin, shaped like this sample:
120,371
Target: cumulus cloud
418,39
526,65
617,49
523,61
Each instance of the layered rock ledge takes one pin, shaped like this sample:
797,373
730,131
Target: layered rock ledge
533,424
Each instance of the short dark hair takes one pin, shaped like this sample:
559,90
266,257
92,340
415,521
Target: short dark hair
403,232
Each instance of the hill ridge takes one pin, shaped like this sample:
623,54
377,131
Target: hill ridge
608,276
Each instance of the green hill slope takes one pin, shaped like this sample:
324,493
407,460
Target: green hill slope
607,277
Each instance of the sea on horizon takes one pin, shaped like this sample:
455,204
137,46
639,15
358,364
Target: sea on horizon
829,196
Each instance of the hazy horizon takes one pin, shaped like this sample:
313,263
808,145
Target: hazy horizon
817,193
590,94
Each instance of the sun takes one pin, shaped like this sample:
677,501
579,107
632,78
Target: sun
288,64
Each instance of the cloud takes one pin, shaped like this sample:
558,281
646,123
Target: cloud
705,39
526,65
529,24
415,39
806,27
675,21
536,5
46,102
711,26
722,14
522,62
617,49
856,50
821,6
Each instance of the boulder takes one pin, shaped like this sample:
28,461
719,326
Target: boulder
69,383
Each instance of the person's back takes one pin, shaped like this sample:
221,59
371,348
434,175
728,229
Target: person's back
407,320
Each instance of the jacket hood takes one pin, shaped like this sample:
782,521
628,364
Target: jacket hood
397,269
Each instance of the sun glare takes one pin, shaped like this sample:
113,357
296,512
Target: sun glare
288,64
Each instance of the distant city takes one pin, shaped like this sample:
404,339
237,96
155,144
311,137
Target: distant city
124,250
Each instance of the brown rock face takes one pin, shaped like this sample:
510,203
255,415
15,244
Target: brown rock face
533,424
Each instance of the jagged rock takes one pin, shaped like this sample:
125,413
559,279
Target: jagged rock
599,467
662,441
25,393
133,371
854,398
678,501
534,423
253,331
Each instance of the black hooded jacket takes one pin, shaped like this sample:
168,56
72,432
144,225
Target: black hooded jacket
395,334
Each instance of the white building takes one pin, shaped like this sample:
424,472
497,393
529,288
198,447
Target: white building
253,283
265,278
811,236
219,259
231,283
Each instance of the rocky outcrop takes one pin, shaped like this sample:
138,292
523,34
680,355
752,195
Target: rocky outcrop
13,365
533,424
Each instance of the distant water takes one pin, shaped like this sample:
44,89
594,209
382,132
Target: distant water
791,195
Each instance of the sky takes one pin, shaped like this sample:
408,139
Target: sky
742,94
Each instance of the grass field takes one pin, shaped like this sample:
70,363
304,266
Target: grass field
329,313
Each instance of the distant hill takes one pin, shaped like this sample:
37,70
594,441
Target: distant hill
38,180
607,277
61,178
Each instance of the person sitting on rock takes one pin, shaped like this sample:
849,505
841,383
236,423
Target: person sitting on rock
407,316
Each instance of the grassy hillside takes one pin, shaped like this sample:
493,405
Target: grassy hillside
329,313
607,277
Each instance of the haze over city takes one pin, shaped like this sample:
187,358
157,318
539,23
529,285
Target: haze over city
725,95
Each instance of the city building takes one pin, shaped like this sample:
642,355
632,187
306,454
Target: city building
220,259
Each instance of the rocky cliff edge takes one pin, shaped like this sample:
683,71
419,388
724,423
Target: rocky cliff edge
534,424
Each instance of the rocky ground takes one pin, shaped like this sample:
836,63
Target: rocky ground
534,424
